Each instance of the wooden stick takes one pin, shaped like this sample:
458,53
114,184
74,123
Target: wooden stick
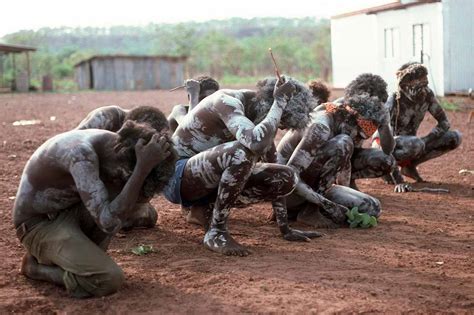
177,88
430,190
275,64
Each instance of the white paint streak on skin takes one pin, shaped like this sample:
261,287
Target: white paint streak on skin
224,161
229,179
303,159
260,167
202,168
239,157
233,102
259,132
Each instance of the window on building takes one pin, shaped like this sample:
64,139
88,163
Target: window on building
392,39
421,40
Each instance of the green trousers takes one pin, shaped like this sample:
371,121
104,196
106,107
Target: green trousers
73,242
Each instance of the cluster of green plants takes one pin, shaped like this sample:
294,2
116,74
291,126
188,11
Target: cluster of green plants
142,250
362,220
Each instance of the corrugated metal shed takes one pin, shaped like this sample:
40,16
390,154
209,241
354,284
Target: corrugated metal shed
126,72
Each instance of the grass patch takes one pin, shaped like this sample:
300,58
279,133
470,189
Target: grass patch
448,105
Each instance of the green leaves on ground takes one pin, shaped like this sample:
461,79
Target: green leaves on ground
362,220
141,250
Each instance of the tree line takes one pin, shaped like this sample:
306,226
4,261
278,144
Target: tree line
233,50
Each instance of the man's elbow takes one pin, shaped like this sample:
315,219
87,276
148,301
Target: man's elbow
110,225
388,147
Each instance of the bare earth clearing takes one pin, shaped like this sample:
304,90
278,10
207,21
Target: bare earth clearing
419,258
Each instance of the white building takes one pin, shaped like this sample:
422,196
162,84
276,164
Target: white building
380,39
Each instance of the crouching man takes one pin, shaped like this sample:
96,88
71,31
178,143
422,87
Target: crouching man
321,157
75,192
408,107
220,142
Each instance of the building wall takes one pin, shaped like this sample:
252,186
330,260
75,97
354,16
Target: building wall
458,45
124,73
82,75
359,44
430,15
354,48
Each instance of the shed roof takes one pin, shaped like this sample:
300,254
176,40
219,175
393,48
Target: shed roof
15,48
397,5
103,57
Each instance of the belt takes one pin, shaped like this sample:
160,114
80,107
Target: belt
26,226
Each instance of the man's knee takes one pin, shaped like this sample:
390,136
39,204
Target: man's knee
385,162
344,145
96,285
241,155
371,206
285,181
454,139
408,147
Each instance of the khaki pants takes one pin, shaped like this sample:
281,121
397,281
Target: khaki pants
74,243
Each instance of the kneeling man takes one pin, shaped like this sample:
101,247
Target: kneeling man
75,192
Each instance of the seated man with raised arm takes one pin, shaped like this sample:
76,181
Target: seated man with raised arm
219,143
197,89
321,157
76,192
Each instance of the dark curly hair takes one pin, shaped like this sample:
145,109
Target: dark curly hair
130,133
149,115
296,113
369,107
369,83
207,83
410,71
320,90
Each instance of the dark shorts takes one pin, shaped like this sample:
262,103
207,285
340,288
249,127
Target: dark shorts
172,190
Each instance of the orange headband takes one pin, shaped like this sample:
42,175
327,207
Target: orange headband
367,126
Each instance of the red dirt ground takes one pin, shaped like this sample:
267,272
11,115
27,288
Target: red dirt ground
419,259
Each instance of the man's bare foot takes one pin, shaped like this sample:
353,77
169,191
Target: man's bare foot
36,271
221,242
29,266
410,171
312,216
199,215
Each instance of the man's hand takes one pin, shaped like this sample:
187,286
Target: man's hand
191,85
336,212
403,188
152,153
294,235
283,90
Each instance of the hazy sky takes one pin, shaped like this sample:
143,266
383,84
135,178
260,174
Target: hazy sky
16,15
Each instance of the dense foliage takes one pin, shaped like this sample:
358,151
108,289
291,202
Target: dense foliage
230,50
